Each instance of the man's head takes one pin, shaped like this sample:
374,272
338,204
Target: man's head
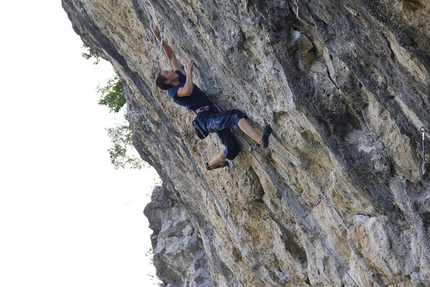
165,79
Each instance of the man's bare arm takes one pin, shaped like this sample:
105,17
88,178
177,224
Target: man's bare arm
187,89
167,49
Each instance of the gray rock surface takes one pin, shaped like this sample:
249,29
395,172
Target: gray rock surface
179,257
345,86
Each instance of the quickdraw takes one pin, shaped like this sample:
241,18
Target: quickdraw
318,201
161,40
424,164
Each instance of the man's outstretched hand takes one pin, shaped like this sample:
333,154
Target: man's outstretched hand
190,66
156,31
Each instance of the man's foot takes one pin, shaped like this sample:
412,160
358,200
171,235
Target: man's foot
222,164
265,138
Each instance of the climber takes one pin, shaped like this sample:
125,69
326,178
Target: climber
210,118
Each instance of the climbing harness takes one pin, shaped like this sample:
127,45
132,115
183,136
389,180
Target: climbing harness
295,208
318,201
424,164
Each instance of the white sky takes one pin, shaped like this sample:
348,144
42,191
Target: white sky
67,217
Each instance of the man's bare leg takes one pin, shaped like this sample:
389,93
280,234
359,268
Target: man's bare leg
243,124
216,161
261,139
247,129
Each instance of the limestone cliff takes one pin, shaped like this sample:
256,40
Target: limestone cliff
345,86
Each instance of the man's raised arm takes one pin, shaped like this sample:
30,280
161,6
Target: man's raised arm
167,49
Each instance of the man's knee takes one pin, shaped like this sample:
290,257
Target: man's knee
232,147
238,114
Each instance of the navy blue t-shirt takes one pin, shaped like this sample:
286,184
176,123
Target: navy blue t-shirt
196,100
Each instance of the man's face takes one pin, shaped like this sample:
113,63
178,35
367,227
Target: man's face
170,76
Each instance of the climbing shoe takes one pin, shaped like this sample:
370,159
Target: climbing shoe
222,164
265,138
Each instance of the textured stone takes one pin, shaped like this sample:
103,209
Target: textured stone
178,253
345,86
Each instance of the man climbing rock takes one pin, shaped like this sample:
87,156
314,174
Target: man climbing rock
210,118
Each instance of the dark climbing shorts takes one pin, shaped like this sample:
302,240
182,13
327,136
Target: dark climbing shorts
219,122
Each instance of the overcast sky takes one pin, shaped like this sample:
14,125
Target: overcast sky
67,217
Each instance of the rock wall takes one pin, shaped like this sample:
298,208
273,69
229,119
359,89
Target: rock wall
345,86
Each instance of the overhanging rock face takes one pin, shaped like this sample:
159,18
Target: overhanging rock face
345,86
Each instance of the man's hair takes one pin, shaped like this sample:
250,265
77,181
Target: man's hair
160,82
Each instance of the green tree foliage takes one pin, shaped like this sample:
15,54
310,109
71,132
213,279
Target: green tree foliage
90,53
112,95
119,153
